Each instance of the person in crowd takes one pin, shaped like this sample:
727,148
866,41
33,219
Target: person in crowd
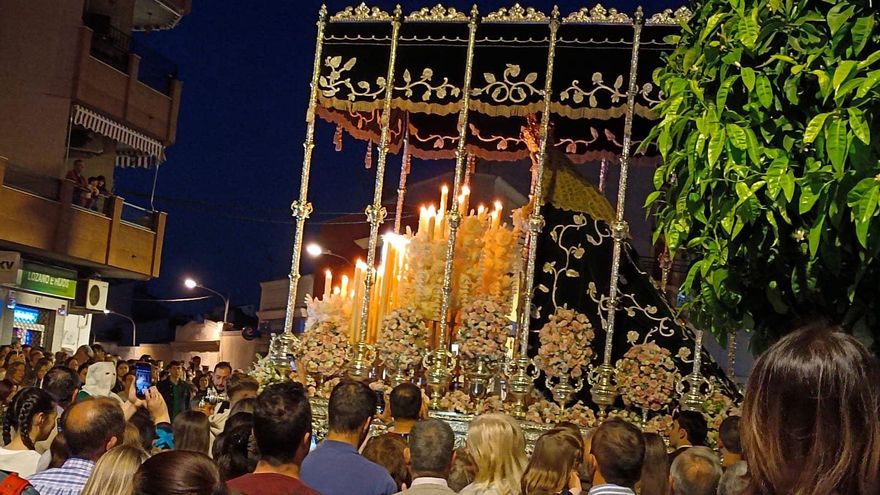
83,372
91,427
238,388
4,351
62,384
655,469
40,370
33,358
617,452
178,472
222,372
90,195
192,432
81,185
406,408
695,471
283,432
585,473
238,419
201,384
114,471
811,416
59,453
350,412
463,470
73,364
146,427
555,464
430,454
728,442
99,381
734,480
84,354
243,406
689,429
7,391
176,392
194,368
232,451
498,447
29,419
98,353
15,372
387,451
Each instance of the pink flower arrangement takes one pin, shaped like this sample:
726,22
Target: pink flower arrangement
565,344
484,329
403,337
646,377
660,424
325,347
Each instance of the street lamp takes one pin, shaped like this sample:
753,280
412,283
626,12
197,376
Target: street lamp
133,325
314,250
192,284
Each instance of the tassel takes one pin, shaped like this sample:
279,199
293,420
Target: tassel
603,171
368,160
337,137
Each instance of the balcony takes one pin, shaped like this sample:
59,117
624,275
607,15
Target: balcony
151,15
128,82
38,217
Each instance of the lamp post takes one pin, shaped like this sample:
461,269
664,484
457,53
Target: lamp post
133,325
192,284
315,250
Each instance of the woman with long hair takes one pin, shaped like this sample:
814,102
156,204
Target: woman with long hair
114,472
31,416
234,452
655,469
178,472
387,451
498,447
811,416
555,463
192,431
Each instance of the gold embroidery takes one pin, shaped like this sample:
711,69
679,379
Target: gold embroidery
597,14
577,94
361,13
516,14
333,83
507,90
440,90
669,18
569,191
437,13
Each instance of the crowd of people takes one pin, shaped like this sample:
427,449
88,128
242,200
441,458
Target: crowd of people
809,426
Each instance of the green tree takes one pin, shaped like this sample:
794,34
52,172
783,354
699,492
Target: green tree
771,173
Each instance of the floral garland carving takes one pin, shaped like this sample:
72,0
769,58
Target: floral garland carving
502,143
437,13
571,145
361,13
517,13
507,90
330,85
597,14
425,80
670,18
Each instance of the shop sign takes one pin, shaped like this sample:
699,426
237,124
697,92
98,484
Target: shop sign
48,280
10,263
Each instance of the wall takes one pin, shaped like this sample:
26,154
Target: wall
38,50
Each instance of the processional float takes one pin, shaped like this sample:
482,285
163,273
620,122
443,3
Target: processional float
439,83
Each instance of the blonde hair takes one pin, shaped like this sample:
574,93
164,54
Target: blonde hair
498,447
558,453
114,472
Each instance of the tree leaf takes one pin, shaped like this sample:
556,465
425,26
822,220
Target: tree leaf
861,33
869,60
815,235
859,125
836,143
724,90
842,72
753,149
737,136
716,146
775,172
865,209
838,15
824,82
787,183
748,77
764,91
815,127
871,80
748,31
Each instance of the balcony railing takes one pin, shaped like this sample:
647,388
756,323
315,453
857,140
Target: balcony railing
114,48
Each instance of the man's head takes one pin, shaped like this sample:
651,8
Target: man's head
695,471
406,402
431,449
79,166
283,424
240,387
84,354
92,427
61,383
689,428
196,362
351,408
35,356
618,451
15,372
175,370
99,353
222,372
728,441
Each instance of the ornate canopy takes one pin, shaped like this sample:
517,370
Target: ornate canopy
590,80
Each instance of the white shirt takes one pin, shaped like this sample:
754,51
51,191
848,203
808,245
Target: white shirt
23,462
427,480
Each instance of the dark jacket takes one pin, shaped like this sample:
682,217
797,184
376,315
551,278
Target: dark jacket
166,389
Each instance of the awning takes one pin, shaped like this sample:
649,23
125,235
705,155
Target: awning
150,151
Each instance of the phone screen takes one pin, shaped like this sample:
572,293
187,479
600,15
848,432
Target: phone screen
143,378
380,401
314,443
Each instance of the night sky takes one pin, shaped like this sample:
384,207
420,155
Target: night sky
230,178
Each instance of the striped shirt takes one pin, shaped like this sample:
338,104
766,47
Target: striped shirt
69,479
606,489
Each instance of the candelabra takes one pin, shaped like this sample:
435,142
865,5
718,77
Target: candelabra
439,365
362,362
563,390
519,386
693,387
479,373
602,388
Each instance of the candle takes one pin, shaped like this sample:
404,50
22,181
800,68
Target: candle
432,217
336,291
463,200
496,219
360,272
423,221
444,197
328,284
344,288
480,210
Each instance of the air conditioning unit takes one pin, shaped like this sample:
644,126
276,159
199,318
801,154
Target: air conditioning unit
92,294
